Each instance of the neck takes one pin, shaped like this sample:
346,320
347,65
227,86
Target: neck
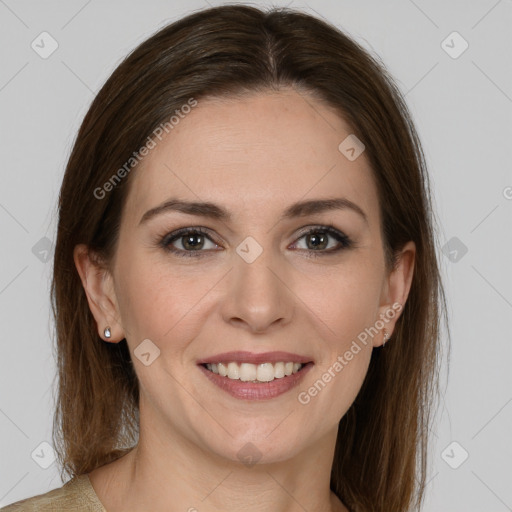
157,473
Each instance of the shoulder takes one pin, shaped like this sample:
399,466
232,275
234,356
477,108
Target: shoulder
76,495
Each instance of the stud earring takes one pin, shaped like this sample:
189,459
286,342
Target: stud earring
107,332
386,336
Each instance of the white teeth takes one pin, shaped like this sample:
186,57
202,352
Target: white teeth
265,372
279,370
223,370
233,371
247,372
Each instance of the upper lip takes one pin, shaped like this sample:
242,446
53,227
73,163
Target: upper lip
241,356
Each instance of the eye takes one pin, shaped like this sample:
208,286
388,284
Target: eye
317,241
187,242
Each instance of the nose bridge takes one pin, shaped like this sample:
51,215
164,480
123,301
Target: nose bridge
257,292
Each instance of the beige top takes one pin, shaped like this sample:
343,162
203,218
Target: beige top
77,495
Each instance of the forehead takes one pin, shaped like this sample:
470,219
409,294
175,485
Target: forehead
263,150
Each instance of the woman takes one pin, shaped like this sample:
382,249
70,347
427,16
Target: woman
246,290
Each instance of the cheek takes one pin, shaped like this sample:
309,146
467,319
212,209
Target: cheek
158,301
345,300
357,301
345,304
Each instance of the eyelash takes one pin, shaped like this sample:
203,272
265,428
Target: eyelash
344,240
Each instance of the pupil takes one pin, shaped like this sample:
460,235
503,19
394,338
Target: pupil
318,240
189,241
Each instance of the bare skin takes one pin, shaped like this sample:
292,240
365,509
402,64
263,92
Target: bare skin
253,157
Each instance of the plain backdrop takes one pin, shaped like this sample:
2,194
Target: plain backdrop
459,89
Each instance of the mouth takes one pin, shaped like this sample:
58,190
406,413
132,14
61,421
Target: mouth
256,376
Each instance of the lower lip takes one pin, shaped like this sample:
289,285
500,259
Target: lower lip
257,391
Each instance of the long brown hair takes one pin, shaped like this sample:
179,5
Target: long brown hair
380,460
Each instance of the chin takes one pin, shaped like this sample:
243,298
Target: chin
263,444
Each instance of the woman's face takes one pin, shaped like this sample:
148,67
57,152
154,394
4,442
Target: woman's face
254,281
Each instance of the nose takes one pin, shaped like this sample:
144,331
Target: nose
258,297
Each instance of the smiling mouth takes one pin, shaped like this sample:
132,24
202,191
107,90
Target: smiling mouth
255,373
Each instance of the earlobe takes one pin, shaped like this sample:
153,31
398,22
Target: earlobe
98,287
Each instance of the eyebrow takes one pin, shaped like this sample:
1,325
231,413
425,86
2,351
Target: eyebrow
213,211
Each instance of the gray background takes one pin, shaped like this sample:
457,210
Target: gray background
462,108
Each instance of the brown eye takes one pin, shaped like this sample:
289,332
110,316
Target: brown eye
317,240
193,241
188,242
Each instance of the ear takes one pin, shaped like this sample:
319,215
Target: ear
99,288
396,290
